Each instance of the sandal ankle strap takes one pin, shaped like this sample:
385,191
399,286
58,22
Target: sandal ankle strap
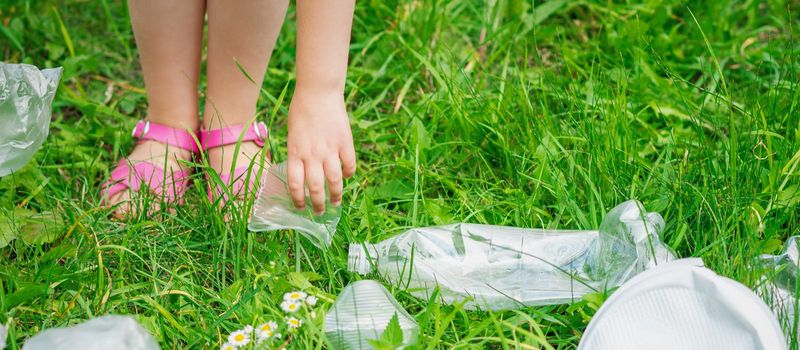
255,132
146,130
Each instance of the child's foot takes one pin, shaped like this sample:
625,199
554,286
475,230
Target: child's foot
235,168
222,159
159,155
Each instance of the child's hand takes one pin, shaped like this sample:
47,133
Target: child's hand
320,146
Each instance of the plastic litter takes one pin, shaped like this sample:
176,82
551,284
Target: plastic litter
274,210
26,95
3,336
361,313
628,243
105,332
779,284
683,305
500,267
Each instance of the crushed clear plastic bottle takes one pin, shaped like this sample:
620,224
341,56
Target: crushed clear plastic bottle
500,267
628,244
361,313
26,96
274,210
779,285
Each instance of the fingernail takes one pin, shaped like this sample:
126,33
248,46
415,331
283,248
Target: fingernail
336,203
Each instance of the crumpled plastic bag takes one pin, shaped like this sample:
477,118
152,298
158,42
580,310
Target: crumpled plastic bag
274,210
499,267
101,333
361,313
26,95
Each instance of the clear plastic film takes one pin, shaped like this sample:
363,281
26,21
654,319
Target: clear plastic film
500,267
26,96
361,313
779,285
274,210
105,332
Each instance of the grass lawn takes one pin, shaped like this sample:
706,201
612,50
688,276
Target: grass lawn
502,112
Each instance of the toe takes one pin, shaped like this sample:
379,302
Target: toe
121,204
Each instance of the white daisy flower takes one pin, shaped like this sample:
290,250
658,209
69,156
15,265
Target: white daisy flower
294,296
248,329
266,330
264,335
239,338
311,300
227,346
293,322
290,306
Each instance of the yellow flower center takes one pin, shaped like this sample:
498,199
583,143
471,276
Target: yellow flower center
295,295
292,306
239,337
266,328
294,322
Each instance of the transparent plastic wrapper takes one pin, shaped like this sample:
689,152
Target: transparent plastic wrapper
779,284
3,336
274,210
105,332
26,96
500,267
683,305
361,313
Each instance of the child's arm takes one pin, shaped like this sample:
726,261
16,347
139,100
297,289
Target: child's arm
320,143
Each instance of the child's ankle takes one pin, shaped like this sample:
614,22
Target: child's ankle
223,158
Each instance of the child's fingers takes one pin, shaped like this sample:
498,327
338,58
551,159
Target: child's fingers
295,173
333,172
315,179
348,157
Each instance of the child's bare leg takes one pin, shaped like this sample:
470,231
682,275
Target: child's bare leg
243,32
169,36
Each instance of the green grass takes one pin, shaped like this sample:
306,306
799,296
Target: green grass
503,112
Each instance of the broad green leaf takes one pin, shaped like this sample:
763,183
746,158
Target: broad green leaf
394,189
302,280
40,228
419,134
545,10
393,334
771,246
11,223
8,230
594,300
26,292
789,197
391,338
233,292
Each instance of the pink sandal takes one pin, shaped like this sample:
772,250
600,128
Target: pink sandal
127,176
257,133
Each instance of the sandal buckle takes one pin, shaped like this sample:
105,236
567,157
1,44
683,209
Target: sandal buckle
257,128
144,132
